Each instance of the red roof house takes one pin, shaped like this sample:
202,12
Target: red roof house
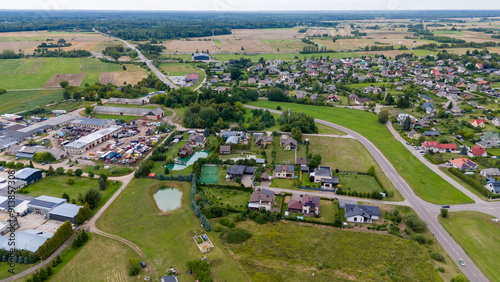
477,151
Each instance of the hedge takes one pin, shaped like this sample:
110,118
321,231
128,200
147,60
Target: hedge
50,246
472,182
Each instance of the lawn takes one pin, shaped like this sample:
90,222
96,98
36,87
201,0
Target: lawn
349,155
291,252
165,239
17,101
479,237
116,117
56,186
34,73
359,183
101,259
323,129
428,185
283,183
226,197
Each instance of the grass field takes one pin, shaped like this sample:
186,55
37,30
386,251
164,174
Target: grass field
34,73
17,101
55,186
428,185
115,117
479,237
179,69
274,254
286,56
323,129
359,183
101,259
165,239
349,155
225,197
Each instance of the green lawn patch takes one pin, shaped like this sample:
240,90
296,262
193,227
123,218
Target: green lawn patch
283,183
478,236
428,185
359,183
226,197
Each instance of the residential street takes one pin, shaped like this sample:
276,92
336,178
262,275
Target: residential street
426,211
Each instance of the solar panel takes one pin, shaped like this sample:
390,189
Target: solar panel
42,204
5,204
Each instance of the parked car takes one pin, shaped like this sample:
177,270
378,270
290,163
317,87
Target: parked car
445,206
71,165
407,143
1,168
143,264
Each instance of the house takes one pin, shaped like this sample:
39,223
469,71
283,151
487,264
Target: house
64,212
491,136
464,164
490,172
477,122
263,140
362,101
197,139
237,171
261,199
320,173
225,149
495,121
265,177
435,147
44,204
329,183
413,134
228,133
284,171
431,133
361,213
186,151
28,175
301,161
494,187
289,144
477,151
305,204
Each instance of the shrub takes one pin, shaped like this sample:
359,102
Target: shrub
437,256
70,181
235,235
226,222
444,213
201,269
415,223
441,269
420,239
134,267
218,228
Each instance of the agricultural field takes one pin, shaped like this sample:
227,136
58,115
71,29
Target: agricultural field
158,234
17,101
431,188
331,254
74,79
478,236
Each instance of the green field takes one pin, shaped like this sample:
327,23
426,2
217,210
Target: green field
55,186
34,73
165,239
479,237
359,183
291,252
226,197
17,101
42,36
428,185
286,56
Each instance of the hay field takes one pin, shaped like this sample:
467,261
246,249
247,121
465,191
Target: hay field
107,77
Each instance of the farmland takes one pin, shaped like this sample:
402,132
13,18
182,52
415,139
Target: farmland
17,101
158,234
431,188
35,73
478,236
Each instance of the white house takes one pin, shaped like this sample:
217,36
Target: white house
361,213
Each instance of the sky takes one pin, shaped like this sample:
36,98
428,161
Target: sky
251,5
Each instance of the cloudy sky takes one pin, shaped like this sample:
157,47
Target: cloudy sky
249,5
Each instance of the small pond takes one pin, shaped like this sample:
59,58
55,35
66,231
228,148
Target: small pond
189,160
168,199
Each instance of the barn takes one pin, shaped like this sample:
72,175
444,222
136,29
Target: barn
201,57
64,212
29,175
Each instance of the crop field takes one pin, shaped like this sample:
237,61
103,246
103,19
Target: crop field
478,236
107,77
74,79
17,101
431,188
165,239
101,259
271,254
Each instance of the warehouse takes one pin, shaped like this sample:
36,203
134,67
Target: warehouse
153,114
28,152
193,77
29,175
64,212
90,141
138,101
29,240
19,206
42,127
12,117
201,57
91,122
44,204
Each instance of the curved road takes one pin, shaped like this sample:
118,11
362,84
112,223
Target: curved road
426,211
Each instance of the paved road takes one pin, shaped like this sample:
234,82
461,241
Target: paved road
425,210
149,63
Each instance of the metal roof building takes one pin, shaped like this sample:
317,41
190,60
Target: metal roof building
30,175
91,122
64,212
44,204
29,240
89,141
19,206
29,151
138,101
157,113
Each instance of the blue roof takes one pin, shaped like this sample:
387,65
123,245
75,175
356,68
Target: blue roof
26,172
66,210
29,240
5,204
46,202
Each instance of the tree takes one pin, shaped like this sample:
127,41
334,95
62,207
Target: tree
91,174
31,164
66,95
70,181
64,83
383,116
78,172
83,214
444,213
297,134
89,110
70,172
206,133
42,274
235,74
49,270
134,267
166,171
65,196
102,183
92,197
407,124
51,171
60,171
238,180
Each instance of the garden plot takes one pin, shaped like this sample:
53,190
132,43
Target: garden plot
203,243
74,79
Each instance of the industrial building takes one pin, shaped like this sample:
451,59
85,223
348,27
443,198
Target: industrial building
44,204
90,141
138,101
64,212
29,175
29,240
193,77
92,122
19,206
201,57
28,152
12,117
153,114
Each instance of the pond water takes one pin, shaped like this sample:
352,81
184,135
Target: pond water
189,160
168,199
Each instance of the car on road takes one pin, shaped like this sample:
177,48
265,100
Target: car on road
445,206
71,165
422,152
407,143
461,261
